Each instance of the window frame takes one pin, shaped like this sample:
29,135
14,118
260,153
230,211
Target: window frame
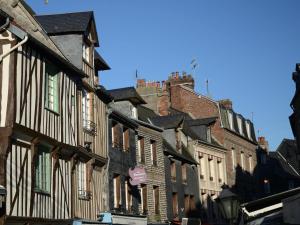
52,71
153,148
43,170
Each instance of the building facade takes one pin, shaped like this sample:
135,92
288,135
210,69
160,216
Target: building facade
149,155
53,147
231,130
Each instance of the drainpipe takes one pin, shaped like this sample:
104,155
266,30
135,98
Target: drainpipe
4,26
17,32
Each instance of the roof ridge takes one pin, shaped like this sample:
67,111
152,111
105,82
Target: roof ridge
57,14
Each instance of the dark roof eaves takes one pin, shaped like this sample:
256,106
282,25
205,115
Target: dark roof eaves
123,119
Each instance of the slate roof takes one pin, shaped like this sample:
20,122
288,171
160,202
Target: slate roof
103,94
225,121
100,63
288,149
66,23
184,156
127,93
168,122
144,113
280,167
198,122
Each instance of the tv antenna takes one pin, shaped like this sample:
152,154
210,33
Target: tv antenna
194,65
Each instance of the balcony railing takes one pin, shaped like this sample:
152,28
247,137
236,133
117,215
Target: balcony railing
90,127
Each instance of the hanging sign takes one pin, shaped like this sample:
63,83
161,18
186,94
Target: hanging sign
137,176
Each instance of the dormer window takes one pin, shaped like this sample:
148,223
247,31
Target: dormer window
239,121
230,119
248,129
208,134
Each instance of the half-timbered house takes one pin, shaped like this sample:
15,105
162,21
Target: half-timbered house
53,120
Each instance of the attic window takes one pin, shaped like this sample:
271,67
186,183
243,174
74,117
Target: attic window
230,119
208,134
239,121
248,129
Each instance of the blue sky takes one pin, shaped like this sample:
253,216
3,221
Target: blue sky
246,49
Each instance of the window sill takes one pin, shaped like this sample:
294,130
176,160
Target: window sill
43,192
52,111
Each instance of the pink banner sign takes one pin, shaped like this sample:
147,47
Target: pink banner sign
137,176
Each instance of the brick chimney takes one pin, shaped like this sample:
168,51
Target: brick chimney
176,79
263,143
226,103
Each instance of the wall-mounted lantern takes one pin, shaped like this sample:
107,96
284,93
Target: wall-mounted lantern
2,195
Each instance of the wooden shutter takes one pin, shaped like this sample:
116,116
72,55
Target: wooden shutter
117,191
156,199
192,203
144,197
175,204
173,171
126,139
154,155
183,170
186,204
142,149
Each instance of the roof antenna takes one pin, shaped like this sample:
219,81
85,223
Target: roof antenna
252,115
46,1
194,65
207,89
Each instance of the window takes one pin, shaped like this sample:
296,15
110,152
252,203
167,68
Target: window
186,204
86,104
156,199
173,171
239,121
267,188
208,131
128,196
117,191
175,204
115,135
201,166
43,169
141,149
82,181
242,160
220,169
86,52
211,168
133,112
144,198
230,119
126,139
250,163
153,152
233,158
52,88
248,129
183,172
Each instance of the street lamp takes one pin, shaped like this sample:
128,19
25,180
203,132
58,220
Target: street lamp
228,204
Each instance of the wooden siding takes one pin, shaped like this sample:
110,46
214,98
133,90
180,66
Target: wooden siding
30,99
22,200
89,70
88,209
